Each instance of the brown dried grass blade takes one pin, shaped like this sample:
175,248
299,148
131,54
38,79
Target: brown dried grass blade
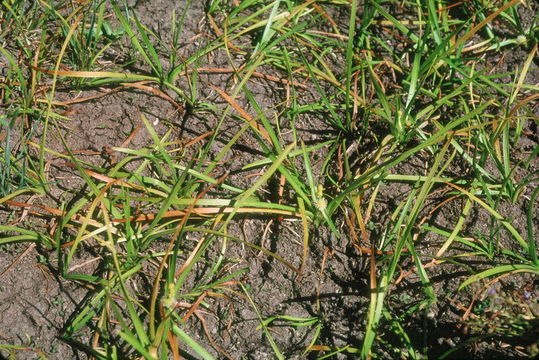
230,100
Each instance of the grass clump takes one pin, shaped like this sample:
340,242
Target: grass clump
379,131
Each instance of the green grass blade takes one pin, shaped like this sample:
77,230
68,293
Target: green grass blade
191,343
499,270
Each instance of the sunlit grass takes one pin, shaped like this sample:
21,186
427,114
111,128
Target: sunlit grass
385,90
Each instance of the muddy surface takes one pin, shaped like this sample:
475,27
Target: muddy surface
36,303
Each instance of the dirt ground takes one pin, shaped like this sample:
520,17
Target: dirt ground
36,303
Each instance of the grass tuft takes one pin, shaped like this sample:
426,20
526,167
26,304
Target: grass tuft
398,135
